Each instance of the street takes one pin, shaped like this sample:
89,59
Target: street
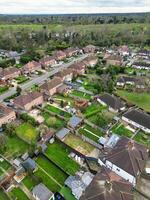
40,79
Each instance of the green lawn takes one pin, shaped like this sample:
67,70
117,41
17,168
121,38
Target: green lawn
122,131
78,144
29,182
59,155
3,196
52,169
3,89
57,111
81,95
65,98
21,79
5,165
53,122
66,192
142,100
143,138
18,194
88,130
93,109
27,132
1,172
15,147
54,187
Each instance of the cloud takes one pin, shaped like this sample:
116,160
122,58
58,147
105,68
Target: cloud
72,6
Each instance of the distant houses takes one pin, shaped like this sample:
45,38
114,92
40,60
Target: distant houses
29,100
114,103
114,60
128,80
48,61
137,119
9,73
7,115
31,67
89,49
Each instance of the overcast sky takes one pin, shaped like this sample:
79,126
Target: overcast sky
72,6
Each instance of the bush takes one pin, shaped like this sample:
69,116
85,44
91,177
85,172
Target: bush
28,119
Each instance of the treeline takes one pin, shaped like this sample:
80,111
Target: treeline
76,19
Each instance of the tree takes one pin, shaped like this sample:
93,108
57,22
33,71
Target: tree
62,103
9,129
19,90
3,142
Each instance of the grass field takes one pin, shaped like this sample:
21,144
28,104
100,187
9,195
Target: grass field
143,138
27,132
29,182
53,122
91,133
66,99
122,131
59,155
81,95
57,111
66,192
15,147
142,100
92,109
18,194
3,89
78,144
3,196
5,165
58,175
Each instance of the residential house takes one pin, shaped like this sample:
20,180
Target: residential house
50,87
29,164
114,60
127,159
128,80
124,50
71,52
60,55
41,192
75,122
9,73
29,100
114,103
48,61
61,134
91,61
31,67
65,75
89,49
78,68
141,65
143,53
107,185
137,119
6,115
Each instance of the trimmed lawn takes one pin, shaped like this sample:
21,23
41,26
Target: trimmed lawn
78,144
143,138
122,131
3,196
52,169
47,181
27,132
21,79
88,130
142,100
15,147
60,155
5,165
81,95
93,109
66,192
18,194
57,111
29,182
65,98
52,121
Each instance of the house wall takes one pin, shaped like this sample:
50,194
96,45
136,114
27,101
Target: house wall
35,102
135,124
7,118
121,172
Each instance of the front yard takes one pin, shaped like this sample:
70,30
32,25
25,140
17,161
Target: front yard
21,79
59,154
3,89
27,132
78,144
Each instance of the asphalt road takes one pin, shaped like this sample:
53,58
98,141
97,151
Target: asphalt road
40,79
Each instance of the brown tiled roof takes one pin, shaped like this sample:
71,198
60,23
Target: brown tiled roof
59,53
56,81
22,100
8,71
31,65
115,57
64,73
107,185
47,59
129,156
4,110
